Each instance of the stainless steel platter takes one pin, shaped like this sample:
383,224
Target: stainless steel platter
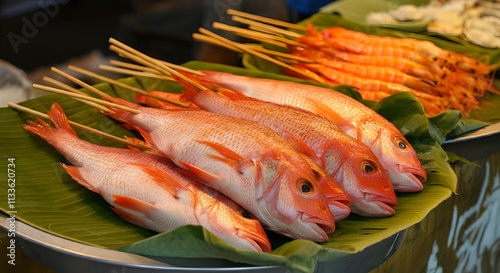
63,255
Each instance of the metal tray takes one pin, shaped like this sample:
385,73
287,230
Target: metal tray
63,255
476,145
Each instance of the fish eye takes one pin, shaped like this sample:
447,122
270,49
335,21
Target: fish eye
246,214
401,143
305,187
368,166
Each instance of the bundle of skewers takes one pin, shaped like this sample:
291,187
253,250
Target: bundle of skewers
376,66
234,154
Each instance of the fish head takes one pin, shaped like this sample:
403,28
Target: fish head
338,200
400,161
294,200
235,225
360,174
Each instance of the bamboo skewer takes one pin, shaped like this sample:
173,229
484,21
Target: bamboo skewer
157,64
84,97
249,50
80,126
208,39
134,66
74,90
256,34
121,84
135,73
83,84
265,28
265,19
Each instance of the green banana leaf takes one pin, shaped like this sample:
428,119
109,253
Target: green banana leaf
48,199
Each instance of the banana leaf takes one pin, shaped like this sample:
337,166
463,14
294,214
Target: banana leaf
48,199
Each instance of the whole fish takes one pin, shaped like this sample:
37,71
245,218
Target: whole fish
147,190
351,163
246,161
391,148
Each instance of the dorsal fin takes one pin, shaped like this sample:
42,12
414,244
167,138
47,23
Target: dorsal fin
330,114
300,145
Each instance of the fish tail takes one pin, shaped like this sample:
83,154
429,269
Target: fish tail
149,101
191,90
60,120
44,130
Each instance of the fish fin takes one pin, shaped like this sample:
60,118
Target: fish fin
139,209
204,175
161,104
162,178
337,119
300,145
60,120
147,137
229,157
42,129
74,172
190,175
136,219
136,141
132,203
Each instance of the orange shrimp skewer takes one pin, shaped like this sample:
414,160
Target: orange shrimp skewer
404,65
366,84
387,74
445,57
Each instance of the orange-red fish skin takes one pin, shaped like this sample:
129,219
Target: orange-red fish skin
244,160
388,144
146,189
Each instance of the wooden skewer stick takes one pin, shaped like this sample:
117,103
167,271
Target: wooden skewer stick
135,72
161,66
249,50
211,40
281,54
83,84
256,34
80,126
208,39
265,19
129,87
266,28
134,66
182,68
85,97
74,90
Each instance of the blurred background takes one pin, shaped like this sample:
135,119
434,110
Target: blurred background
39,34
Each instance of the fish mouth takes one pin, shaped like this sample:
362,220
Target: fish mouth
408,179
321,227
339,198
259,243
380,206
339,209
